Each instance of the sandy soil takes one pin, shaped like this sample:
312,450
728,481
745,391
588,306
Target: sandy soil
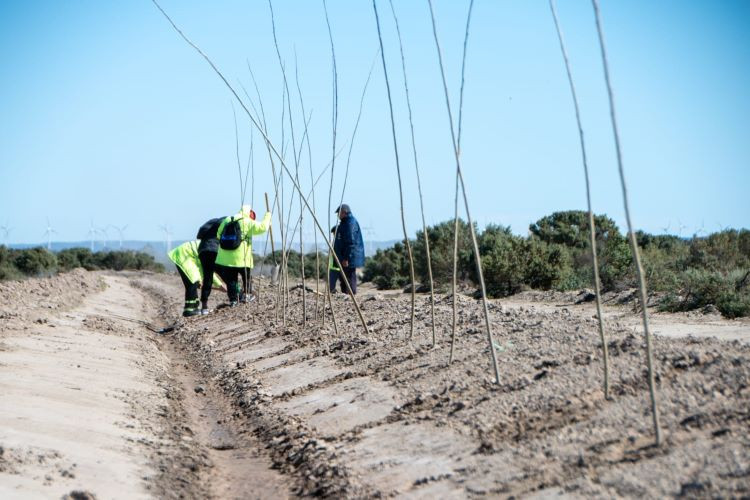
95,404
245,404
355,415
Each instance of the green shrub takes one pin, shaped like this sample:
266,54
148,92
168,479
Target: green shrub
389,268
616,264
504,261
118,260
35,261
71,258
722,251
441,252
295,264
549,266
145,261
8,270
571,228
729,292
311,271
556,255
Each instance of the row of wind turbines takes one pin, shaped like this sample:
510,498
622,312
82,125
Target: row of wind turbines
94,234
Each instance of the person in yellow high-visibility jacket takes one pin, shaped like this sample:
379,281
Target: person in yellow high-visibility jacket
185,257
333,269
235,254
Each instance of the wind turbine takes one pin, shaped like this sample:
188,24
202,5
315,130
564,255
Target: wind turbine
92,234
48,233
6,232
120,230
702,229
680,227
167,236
103,231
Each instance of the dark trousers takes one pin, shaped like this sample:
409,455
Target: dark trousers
191,292
351,275
229,276
208,261
333,278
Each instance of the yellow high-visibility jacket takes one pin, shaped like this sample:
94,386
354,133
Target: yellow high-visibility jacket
186,258
242,256
332,264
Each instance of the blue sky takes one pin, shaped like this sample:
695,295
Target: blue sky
108,116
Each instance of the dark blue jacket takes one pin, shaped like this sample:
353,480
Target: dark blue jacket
349,245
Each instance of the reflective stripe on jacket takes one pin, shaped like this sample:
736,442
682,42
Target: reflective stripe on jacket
242,256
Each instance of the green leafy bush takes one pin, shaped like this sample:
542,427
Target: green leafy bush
729,293
441,253
571,228
16,264
8,270
71,258
504,261
35,261
722,251
389,268
616,264
694,273
294,263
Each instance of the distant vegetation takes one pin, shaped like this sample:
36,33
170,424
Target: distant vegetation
17,264
686,274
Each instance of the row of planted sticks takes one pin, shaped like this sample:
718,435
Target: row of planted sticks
307,202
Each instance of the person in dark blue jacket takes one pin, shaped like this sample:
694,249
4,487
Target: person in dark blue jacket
349,247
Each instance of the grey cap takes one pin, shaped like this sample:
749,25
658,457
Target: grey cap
343,208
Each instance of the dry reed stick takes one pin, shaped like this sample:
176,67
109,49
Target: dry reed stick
592,229
475,245
398,172
455,198
419,182
631,234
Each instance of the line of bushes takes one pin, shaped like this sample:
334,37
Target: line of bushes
687,274
17,264
294,263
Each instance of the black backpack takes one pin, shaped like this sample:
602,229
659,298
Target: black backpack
232,235
208,230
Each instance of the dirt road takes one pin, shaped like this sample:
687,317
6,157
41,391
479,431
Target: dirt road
94,402
245,403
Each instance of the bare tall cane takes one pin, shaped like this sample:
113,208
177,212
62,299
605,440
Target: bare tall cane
334,122
398,171
419,182
631,234
475,245
455,199
592,229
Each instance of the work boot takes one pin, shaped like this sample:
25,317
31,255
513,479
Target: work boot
191,308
